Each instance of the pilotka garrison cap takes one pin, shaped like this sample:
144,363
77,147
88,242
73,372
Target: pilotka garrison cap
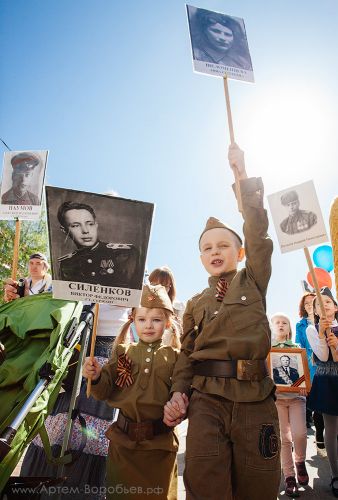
213,223
155,296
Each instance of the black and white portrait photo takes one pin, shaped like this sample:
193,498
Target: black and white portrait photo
98,245
297,217
297,220
22,184
284,373
219,44
288,367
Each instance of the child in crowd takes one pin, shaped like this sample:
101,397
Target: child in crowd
164,276
324,393
232,448
137,380
306,314
291,409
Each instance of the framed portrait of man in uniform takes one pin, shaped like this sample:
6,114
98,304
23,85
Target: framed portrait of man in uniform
288,367
22,184
297,217
98,245
219,44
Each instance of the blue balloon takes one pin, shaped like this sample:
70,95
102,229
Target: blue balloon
323,257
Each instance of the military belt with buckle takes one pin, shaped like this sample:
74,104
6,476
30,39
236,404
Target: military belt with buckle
141,431
241,369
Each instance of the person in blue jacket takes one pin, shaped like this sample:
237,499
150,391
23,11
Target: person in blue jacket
306,313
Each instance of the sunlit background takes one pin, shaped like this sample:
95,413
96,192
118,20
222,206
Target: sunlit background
107,86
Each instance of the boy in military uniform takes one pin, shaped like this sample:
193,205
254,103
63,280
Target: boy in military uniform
23,167
112,264
233,432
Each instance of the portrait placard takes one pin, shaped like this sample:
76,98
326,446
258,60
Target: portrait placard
98,245
297,217
288,367
219,44
21,190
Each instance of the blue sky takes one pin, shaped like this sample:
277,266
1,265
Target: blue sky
107,87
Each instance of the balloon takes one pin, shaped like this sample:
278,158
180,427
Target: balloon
323,257
323,277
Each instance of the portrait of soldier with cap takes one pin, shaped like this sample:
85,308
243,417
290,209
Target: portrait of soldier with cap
24,165
298,220
94,261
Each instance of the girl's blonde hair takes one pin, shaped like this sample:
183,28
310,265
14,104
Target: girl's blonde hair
281,315
124,338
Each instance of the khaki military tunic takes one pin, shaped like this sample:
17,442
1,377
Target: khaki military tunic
236,328
10,198
233,432
301,221
146,469
110,264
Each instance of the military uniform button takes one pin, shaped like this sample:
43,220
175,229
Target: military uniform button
148,350
148,360
195,327
89,261
150,345
93,273
110,271
216,312
243,297
146,370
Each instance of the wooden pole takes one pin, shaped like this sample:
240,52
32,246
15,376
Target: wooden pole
92,345
232,139
16,249
319,297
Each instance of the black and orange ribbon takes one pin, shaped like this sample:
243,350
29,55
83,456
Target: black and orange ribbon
299,381
221,289
124,378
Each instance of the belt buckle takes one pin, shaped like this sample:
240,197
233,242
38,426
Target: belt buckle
141,431
246,370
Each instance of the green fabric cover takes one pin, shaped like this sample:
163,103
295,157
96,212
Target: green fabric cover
32,330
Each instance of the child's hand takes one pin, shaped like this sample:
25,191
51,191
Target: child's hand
236,160
332,340
175,409
324,324
302,391
91,369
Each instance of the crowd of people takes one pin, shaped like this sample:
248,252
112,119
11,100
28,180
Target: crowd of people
211,368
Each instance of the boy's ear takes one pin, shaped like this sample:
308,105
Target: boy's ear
241,254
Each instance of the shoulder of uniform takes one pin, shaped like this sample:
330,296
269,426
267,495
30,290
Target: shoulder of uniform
120,246
192,301
68,256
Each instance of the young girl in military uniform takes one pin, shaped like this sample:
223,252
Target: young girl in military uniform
137,380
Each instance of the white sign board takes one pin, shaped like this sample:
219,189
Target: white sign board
219,44
98,246
297,217
22,184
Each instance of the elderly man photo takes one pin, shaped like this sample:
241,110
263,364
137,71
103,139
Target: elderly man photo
298,220
23,165
94,261
285,374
